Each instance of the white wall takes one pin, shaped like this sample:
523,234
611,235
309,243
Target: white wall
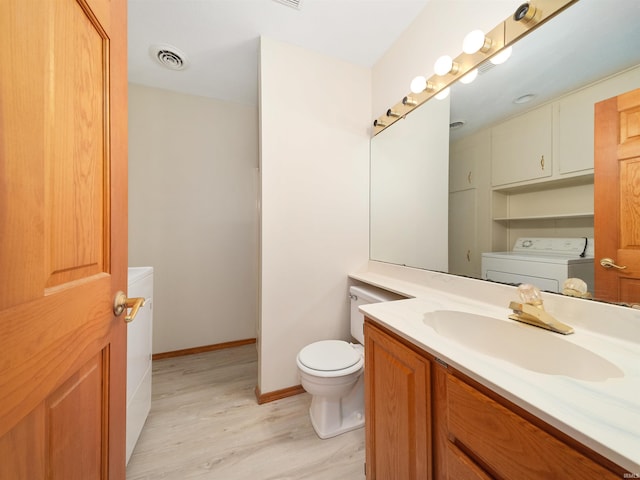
314,121
438,30
193,214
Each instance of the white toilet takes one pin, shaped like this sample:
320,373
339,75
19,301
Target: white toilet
332,372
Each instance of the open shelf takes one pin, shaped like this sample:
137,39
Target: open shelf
545,217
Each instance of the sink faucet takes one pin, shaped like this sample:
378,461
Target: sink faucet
530,310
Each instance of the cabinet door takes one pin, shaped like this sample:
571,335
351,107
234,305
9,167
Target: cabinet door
463,251
576,121
470,162
575,132
461,169
397,409
522,147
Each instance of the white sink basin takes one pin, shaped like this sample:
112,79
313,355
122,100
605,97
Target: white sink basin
526,346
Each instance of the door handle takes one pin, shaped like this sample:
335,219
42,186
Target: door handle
121,303
608,263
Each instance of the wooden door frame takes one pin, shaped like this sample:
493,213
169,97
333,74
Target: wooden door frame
606,192
118,145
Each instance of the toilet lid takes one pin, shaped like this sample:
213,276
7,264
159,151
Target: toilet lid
329,355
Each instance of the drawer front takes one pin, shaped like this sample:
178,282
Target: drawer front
507,444
461,467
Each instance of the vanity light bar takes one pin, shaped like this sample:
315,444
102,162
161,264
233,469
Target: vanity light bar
437,83
527,17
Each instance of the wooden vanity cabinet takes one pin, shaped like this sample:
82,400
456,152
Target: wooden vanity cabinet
425,420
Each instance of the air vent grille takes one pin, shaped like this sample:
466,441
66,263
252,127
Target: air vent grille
485,67
290,3
169,56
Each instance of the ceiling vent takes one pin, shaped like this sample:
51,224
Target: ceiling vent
485,67
169,56
290,3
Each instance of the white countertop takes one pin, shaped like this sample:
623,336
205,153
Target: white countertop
604,415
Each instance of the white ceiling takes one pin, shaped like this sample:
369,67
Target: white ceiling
221,38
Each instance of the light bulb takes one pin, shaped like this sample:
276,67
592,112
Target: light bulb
418,84
443,94
474,42
470,77
502,57
444,65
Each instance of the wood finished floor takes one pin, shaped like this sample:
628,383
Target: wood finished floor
205,424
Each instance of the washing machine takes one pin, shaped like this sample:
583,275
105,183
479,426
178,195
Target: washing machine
139,338
543,262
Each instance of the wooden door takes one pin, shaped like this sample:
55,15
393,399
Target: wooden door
63,239
617,197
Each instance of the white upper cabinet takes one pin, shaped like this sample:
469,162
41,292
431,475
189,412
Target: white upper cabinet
522,148
575,121
470,162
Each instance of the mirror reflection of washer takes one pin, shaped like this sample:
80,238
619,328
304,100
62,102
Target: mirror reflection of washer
543,262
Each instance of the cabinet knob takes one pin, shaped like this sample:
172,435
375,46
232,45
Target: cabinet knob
468,255
469,177
542,162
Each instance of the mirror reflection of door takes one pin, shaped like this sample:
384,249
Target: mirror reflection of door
617,198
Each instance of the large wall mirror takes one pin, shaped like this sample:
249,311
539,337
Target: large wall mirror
541,98
409,176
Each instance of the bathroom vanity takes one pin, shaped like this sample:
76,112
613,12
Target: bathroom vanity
427,420
455,390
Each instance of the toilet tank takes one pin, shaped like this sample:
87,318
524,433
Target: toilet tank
363,295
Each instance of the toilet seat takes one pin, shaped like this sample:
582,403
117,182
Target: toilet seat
330,358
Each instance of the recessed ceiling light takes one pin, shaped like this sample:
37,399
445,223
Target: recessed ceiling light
525,98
